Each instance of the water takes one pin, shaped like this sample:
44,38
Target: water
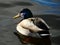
8,24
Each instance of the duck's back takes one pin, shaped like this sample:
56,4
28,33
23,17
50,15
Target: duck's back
39,22
35,25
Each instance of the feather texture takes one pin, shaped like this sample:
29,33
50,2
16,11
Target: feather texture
28,28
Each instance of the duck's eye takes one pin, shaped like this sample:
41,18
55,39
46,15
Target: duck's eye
22,14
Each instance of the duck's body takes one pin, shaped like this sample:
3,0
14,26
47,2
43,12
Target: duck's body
34,30
27,27
33,33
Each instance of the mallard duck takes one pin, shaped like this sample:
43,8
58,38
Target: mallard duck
31,28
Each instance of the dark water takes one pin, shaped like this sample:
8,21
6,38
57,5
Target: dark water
9,8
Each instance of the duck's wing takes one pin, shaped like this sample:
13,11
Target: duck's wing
42,24
28,24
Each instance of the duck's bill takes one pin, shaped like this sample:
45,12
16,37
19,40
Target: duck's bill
17,16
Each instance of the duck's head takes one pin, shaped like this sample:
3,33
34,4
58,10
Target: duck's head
24,14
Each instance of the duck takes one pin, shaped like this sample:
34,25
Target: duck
32,29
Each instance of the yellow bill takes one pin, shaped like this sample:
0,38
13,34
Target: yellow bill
17,16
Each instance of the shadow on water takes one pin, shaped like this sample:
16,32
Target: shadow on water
56,40
34,41
22,3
